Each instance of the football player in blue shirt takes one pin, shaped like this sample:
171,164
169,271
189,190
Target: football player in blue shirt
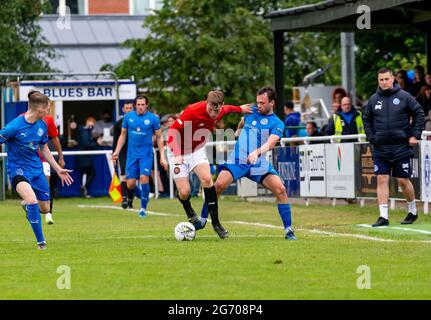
23,137
261,131
139,126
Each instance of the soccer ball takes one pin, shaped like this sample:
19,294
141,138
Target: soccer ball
185,231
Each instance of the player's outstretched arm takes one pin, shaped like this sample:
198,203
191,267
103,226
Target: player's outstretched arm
120,144
267,146
245,109
63,174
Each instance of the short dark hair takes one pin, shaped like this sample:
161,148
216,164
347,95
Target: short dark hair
140,97
384,70
289,105
272,95
314,124
37,99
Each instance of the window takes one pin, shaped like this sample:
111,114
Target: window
75,6
144,6
141,6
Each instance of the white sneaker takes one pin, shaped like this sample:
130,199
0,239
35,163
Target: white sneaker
151,195
48,218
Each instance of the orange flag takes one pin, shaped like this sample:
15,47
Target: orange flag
115,189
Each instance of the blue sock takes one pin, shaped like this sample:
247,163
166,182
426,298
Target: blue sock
145,195
204,212
33,216
285,214
137,192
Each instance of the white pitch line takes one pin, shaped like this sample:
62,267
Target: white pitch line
133,210
395,228
257,224
349,235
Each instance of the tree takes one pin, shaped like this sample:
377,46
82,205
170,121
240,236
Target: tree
195,46
23,49
395,50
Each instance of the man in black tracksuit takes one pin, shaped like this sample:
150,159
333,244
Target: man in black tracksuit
393,122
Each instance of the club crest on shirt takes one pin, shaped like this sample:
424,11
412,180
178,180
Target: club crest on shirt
396,101
147,122
19,172
254,123
264,121
40,132
177,170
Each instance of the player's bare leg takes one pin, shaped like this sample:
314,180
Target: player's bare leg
383,199
203,171
409,194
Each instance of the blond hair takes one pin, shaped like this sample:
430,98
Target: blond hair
216,98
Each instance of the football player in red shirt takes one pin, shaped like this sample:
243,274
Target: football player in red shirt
186,140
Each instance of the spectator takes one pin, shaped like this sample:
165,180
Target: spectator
428,78
85,163
102,130
424,98
323,129
338,94
166,122
313,131
292,119
336,107
403,80
345,122
418,81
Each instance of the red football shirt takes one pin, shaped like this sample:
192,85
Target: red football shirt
52,131
186,135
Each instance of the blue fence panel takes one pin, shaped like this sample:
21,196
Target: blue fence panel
286,162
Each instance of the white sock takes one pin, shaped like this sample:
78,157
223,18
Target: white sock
384,211
412,207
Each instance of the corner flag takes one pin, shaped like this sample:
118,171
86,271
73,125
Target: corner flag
115,189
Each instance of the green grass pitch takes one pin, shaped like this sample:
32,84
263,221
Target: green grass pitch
113,254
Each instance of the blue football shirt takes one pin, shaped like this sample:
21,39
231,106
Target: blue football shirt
256,131
22,141
140,130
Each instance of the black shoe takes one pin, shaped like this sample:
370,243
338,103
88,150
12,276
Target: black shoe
410,218
130,203
83,192
381,222
222,232
192,216
124,204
